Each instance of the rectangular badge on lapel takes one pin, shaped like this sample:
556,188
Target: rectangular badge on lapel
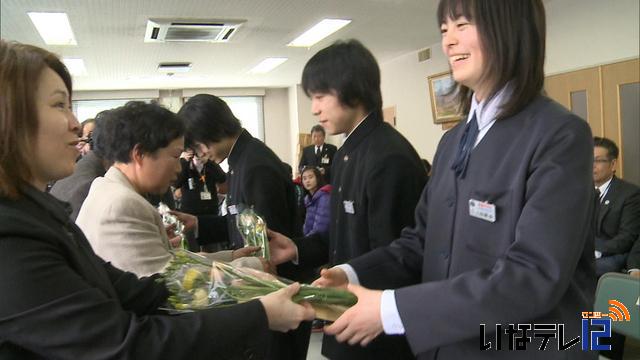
348,207
233,210
482,210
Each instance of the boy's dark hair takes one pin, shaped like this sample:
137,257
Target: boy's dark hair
119,130
349,69
208,119
603,142
512,35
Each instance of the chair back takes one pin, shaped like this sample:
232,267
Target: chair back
618,296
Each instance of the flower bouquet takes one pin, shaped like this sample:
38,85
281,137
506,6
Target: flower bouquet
169,219
254,231
196,282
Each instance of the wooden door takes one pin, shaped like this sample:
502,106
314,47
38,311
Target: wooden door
621,102
579,91
608,98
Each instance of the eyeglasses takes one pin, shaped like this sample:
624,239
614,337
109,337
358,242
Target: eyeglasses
601,161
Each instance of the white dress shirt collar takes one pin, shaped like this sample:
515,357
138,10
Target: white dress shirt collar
604,188
487,111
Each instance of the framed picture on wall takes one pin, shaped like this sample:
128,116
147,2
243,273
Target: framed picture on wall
443,105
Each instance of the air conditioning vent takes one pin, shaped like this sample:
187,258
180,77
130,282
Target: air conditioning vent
161,30
174,67
424,55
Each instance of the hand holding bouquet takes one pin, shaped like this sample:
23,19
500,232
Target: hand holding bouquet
197,283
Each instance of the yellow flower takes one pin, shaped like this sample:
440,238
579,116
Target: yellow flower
190,278
200,298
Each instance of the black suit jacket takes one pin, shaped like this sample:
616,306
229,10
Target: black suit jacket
633,260
257,178
309,158
75,188
377,181
618,224
534,264
60,300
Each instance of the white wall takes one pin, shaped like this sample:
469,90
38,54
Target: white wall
585,33
293,126
404,84
580,33
276,122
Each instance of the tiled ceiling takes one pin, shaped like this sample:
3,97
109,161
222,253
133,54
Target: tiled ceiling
110,36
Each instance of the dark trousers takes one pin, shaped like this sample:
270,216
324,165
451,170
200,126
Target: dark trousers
612,263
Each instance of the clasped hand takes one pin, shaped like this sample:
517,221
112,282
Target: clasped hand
361,323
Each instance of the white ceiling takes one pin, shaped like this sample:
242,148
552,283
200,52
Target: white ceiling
110,36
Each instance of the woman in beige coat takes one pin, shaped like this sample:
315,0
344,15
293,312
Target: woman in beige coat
144,141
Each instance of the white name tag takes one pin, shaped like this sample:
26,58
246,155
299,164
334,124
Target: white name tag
205,195
482,210
348,207
233,210
325,160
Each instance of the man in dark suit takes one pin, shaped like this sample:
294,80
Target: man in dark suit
320,154
618,222
74,189
375,186
256,178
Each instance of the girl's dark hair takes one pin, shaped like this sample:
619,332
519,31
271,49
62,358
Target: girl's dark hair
512,35
20,69
149,125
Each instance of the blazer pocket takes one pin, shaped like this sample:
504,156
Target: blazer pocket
483,236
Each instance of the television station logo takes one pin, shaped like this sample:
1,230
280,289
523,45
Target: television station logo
595,327
602,322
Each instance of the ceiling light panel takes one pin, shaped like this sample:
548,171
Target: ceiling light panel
54,28
76,66
318,32
267,65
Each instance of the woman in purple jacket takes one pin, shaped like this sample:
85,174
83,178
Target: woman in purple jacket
317,201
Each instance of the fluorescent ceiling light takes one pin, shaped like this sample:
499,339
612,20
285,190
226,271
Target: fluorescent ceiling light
75,66
54,28
318,32
267,65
